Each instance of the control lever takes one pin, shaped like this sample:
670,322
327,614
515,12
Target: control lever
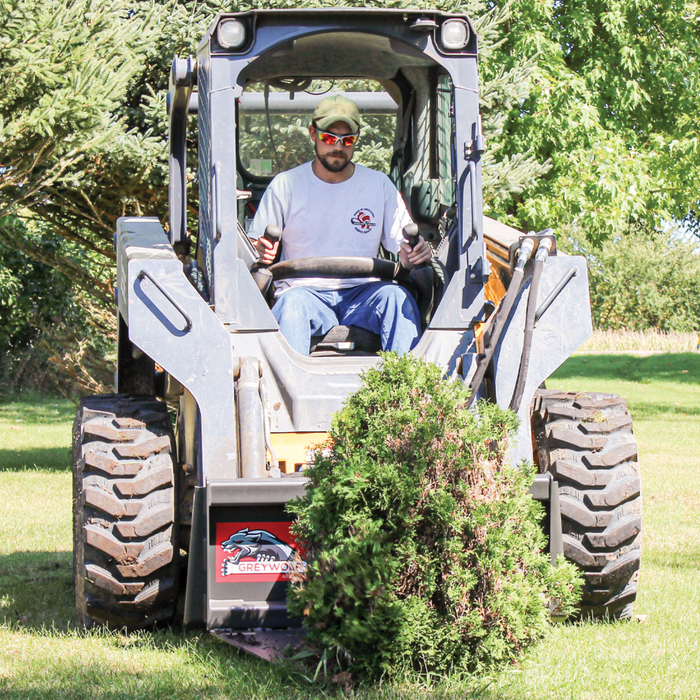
410,233
261,275
273,234
421,276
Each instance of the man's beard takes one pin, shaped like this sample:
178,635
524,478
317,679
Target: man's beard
336,165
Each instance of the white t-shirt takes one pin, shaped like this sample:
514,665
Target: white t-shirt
323,219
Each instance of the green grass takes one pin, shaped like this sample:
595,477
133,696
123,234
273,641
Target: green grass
44,654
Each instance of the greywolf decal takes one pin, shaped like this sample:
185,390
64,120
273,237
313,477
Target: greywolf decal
261,545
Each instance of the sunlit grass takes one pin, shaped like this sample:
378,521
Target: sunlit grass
35,433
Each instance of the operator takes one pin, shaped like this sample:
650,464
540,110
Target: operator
329,207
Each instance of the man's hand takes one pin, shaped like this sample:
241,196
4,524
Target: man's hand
412,257
267,250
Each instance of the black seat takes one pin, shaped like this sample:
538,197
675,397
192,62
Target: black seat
346,339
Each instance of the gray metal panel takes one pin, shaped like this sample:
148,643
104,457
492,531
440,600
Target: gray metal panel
252,310
303,392
199,358
325,16
227,259
445,348
138,237
304,103
255,491
195,592
204,170
224,285
464,298
560,331
250,614
461,304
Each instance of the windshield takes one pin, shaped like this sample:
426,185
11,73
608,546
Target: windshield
273,125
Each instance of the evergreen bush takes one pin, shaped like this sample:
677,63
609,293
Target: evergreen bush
423,546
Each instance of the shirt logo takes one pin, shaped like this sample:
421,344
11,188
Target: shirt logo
362,220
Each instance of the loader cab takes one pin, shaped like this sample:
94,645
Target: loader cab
272,132
272,129
257,79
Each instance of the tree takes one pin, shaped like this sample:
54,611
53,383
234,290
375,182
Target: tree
612,107
589,109
84,133
588,106
50,333
67,67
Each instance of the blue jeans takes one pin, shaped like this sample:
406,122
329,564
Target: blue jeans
381,307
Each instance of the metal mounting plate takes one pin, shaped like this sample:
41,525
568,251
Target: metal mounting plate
265,644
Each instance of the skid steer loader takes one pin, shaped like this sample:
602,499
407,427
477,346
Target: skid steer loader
181,477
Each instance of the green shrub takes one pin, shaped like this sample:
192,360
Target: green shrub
640,281
424,548
53,335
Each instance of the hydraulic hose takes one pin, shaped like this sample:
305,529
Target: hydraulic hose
501,317
530,314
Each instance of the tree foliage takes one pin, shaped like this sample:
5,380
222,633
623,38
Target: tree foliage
612,107
49,334
423,545
590,110
95,150
67,66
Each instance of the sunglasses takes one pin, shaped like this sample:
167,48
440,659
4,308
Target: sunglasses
331,139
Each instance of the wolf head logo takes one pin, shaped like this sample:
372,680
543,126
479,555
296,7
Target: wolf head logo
260,544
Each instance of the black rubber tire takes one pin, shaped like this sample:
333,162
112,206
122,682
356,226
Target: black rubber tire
125,553
586,441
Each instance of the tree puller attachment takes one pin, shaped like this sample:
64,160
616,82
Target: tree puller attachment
181,477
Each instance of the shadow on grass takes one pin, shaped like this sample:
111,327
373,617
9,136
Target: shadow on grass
680,368
166,664
37,590
656,410
40,458
31,416
57,659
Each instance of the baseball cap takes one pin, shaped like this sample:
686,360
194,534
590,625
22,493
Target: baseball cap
337,108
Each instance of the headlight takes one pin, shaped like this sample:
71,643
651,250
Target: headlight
454,34
231,34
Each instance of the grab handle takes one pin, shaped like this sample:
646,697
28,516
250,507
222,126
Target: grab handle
181,311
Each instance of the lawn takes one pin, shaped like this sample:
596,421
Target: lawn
44,654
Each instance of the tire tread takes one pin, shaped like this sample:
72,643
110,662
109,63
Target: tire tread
125,533
586,441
